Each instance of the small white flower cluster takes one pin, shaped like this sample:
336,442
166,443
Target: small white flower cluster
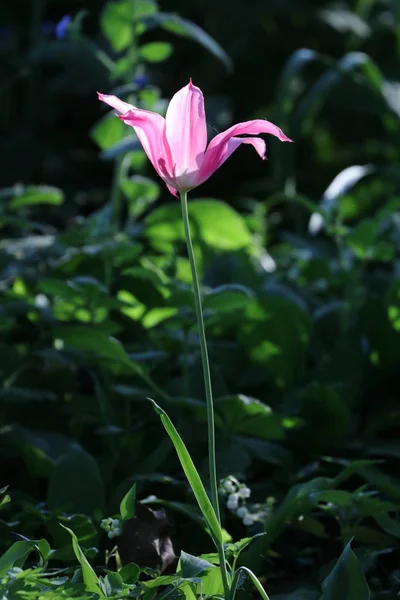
238,493
113,527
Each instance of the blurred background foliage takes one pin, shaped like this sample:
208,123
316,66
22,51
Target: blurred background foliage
299,258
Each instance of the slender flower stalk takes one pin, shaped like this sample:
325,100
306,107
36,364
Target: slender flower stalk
204,358
207,384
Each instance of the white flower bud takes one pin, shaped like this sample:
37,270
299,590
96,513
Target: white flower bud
242,512
244,492
248,520
111,534
229,486
115,523
233,501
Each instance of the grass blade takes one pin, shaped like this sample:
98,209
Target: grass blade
254,579
191,473
89,576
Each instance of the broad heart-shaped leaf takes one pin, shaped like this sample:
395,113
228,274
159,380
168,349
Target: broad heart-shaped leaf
212,222
127,507
90,578
76,484
191,566
210,581
191,474
346,581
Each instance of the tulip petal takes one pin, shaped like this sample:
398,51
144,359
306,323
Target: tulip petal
150,129
186,133
119,105
230,146
173,191
222,146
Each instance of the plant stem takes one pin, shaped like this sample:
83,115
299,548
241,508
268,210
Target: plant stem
204,359
207,385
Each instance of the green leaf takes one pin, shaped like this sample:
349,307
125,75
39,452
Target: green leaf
155,52
117,24
108,132
385,483
119,20
346,581
191,473
362,238
254,579
189,510
288,88
84,529
227,298
17,553
333,201
183,27
191,566
130,573
275,332
88,339
76,484
245,415
90,578
235,548
317,94
31,195
391,526
212,222
127,507
141,192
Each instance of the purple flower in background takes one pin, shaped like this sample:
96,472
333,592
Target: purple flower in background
141,80
62,27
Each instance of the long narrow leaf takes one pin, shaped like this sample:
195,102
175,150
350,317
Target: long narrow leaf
254,579
191,473
89,576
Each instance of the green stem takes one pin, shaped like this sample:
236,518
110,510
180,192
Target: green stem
207,385
204,358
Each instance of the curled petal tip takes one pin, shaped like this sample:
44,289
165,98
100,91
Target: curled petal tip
285,138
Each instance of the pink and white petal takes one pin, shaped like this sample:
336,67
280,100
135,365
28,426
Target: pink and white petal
212,162
114,102
254,127
150,129
186,130
222,146
173,191
231,145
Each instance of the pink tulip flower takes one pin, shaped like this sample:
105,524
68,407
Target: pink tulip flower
177,145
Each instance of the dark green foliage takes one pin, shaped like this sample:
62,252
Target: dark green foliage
299,258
